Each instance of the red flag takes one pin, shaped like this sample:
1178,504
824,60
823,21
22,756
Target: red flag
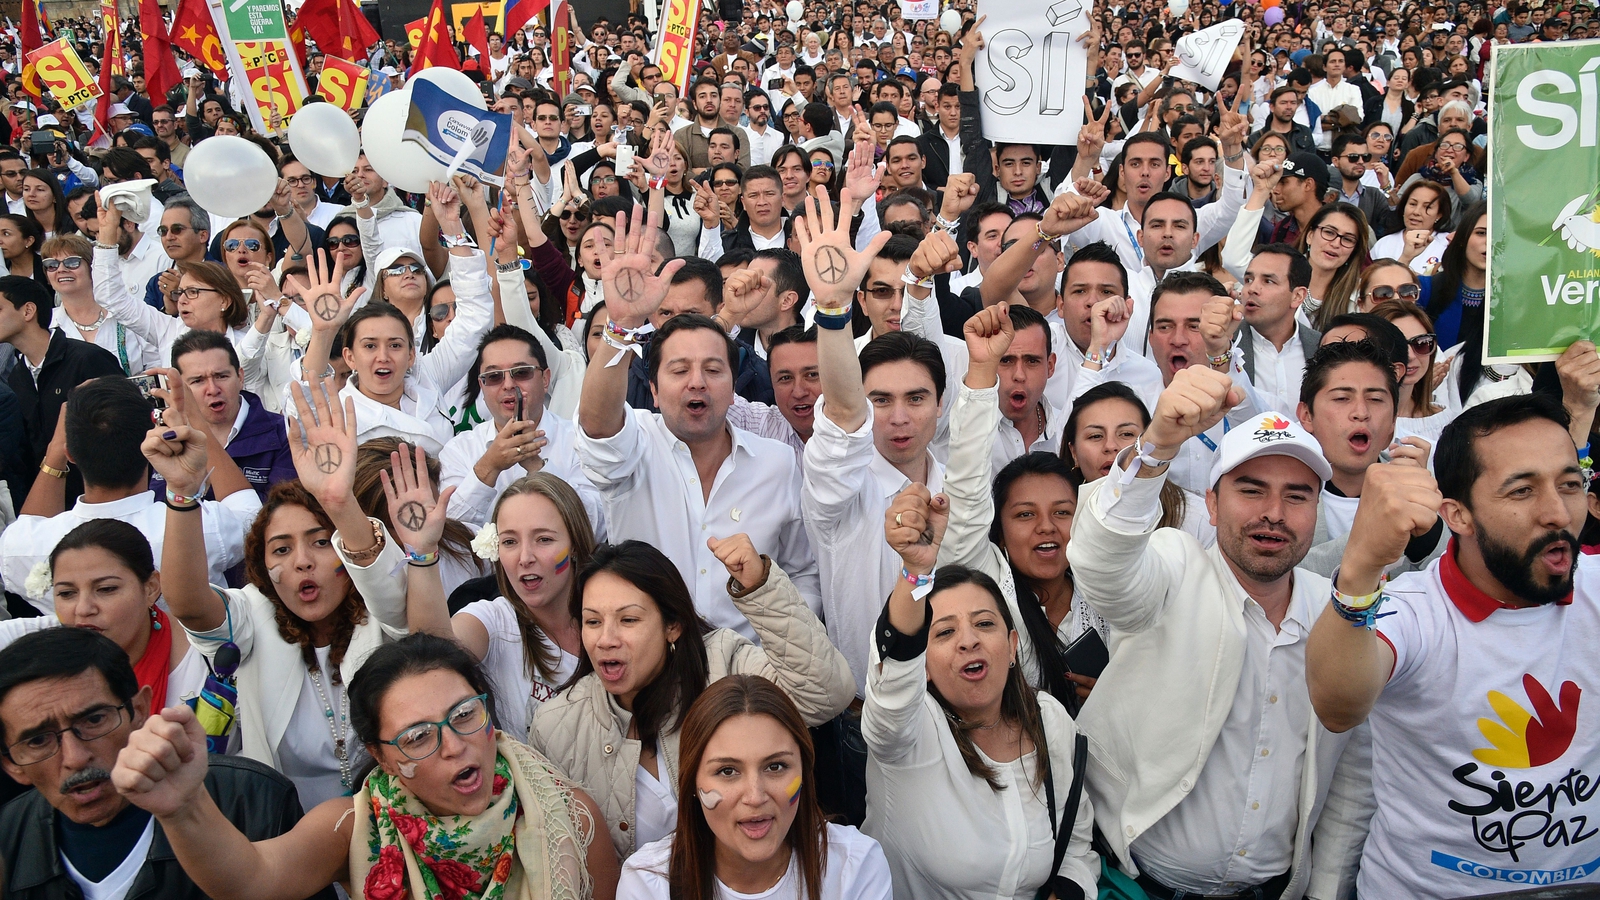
160,66
102,106
32,40
338,27
194,33
113,37
435,48
297,40
477,34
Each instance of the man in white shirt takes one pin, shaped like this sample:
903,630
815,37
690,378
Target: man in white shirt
1028,421
1274,344
384,222
1494,634
519,439
1137,72
106,421
760,136
683,475
1333,92
140,256
1219,786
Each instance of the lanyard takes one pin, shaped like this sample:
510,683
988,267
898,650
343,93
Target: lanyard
1210,444
1122,216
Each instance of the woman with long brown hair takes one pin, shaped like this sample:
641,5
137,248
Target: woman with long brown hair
326,587
1335,241
951,724
757,830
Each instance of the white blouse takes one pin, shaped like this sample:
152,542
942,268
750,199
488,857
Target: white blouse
855,870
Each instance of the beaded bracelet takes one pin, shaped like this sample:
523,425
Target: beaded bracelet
1586,463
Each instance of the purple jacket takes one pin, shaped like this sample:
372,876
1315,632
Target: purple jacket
261,448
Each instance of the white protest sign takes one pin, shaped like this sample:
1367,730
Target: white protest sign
1030,73
1204,55
919,9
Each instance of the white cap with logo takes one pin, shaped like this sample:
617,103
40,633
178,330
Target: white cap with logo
1271,434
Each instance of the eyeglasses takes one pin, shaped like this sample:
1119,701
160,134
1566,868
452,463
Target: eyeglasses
441,311
350,240
424,739
1404,292
518,374
305,180
11,173
1422,344
604,179
1272,151
250,245
1358,157
1332,235
885,294
1182,107
91,726
1452,146
404,269
70,263
193,293
164,230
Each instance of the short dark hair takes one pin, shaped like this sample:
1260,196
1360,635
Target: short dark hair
696,268
199,341
687,322
1097,252
755,173
1024,316
126,164
794,334
1455,458
1331,356
106,422
1170,195
502,332
788,273
1299,266
1346,139
64,653
903,345
1177,282
820,118
1194,144
21,290
723,129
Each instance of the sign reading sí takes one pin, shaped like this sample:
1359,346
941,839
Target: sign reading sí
1544,201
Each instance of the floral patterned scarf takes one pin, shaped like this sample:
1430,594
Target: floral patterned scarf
530,843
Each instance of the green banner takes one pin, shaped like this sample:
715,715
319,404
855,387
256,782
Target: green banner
255,20
1544,187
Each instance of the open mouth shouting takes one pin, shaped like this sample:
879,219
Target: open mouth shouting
308,591
468,780
612,671
756,828
1270,540
1047,550
975,671
1360,441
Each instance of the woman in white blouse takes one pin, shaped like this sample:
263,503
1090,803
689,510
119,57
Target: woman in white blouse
326,588
67,265
756,831
647,656
968,768
538,539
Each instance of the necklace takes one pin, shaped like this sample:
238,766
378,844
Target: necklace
1039,410
99,320
339,730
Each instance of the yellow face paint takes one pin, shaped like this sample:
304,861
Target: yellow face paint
794,791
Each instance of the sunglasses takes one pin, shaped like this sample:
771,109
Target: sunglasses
251,245
547,118
725,183
1423,344
580,214
404,269
822,164
70,263
441,311
519,374
1358,157
1404,292
164,230
350,240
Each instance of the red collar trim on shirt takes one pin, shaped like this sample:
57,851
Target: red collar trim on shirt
1472,601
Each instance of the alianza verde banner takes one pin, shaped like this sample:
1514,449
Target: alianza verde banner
1544,201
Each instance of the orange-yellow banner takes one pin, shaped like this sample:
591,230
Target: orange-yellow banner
266,67
60,70
342,83
676,53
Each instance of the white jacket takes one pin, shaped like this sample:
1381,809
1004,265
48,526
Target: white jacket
272,670
1178,641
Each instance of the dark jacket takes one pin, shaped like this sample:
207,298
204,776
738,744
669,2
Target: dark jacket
1309,339
261,448
13,447
1300,138
257,800
1374,110
752,380
67,364
936,156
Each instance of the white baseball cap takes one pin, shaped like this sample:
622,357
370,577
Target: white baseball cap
120,109
392,255
1272,434
47,120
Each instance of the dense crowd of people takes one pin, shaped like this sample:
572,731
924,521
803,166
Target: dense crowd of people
779,489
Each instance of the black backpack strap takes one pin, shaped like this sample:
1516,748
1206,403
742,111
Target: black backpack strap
1065,889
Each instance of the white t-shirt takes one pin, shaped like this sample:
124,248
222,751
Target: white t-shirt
517,692
1339,512
116,885
305,755
1482,732
856,870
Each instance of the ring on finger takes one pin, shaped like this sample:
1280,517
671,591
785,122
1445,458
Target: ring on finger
897,519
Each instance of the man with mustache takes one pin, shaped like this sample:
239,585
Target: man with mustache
69,699
1472,673
1220,784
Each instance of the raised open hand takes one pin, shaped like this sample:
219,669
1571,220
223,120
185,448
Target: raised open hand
417,515
834,268
862,173
322,441
632,293
319,291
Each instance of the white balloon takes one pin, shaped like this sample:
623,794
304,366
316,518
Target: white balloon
454,83
230,176
324,139
1178,7
401,163
796,10
950,21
